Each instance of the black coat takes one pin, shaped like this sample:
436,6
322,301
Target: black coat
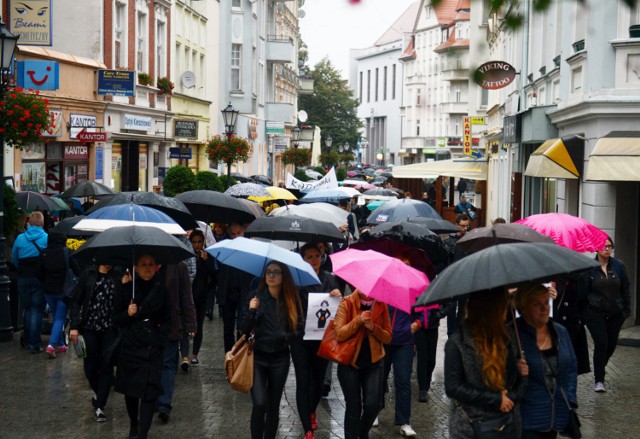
569,310
84,293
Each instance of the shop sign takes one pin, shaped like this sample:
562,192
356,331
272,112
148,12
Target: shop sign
253,128
494,75
275,127
39,75
466,135
280,144
53,178
78,122
138,123
73,151
186,129
441,142
99,162
511,126
180,153
55,128
478,120
116,82
31,21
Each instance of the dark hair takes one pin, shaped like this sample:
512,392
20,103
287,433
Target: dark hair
343,202
461,217
611,240
292,307
499,220
196,232
324,302
309,246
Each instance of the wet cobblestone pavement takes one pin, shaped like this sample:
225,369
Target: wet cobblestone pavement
42,398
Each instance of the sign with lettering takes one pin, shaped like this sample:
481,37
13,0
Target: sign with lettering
99,162
478,120
466,135
186,129
53,178
78,122
494,75
275,127
31,21
85,136
137,123
180,153
55,127
116,82
39,75
74,151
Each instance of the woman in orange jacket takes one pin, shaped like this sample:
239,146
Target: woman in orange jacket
361,380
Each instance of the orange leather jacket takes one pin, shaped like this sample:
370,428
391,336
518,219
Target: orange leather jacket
346,324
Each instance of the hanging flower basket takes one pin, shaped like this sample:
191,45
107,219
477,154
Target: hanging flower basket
145,79
297,157
165,85
229,150
24,115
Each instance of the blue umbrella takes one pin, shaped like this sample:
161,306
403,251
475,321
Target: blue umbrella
253,257
128,214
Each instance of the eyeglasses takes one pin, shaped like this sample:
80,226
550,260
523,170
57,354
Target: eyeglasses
275,273
608,247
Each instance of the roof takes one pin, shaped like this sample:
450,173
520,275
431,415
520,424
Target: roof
410,52
452,42
446,11
59,56
402,25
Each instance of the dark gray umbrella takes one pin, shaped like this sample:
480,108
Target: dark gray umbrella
401,228
262,179
29,200
381,191
293,228
504,265
401,210
435,225
253,207
65,227
483,237
87,189
215,207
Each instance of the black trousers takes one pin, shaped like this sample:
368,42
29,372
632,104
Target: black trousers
98,372
270,372
426,350
229,312
604,332
201,309
363,393
310,371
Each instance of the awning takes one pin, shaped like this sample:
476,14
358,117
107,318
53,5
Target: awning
552,160
460,168
616,157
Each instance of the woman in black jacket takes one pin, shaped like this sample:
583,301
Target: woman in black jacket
91,315
55,263
275,317
144,316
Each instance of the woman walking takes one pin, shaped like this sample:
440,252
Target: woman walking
55,264
275,317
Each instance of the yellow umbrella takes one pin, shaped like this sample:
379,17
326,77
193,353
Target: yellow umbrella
275,193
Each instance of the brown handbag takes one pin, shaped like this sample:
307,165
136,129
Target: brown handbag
238,364
341,352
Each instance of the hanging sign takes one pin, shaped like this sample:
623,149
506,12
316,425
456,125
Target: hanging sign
494,75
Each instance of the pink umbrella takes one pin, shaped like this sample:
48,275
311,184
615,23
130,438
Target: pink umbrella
380,277
568,231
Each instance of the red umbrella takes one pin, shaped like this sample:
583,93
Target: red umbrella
568,231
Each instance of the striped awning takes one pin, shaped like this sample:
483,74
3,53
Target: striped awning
616,157
552,160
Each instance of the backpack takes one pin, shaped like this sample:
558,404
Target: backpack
32,266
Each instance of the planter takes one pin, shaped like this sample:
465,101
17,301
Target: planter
578,46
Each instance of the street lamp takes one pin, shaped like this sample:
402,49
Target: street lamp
229,115
8,43
380,157
328,141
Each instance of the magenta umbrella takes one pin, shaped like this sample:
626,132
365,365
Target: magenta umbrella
380,277
567,230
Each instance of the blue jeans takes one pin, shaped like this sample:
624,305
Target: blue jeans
32,298
58,310
401,357
168,380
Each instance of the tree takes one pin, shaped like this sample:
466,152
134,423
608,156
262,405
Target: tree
332,105
329,159
177,180
207,180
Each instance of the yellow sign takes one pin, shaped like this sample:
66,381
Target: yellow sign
478,120
466,135
31,20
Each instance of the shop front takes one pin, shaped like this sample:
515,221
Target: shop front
54,167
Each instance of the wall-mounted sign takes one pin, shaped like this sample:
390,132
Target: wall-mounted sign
78,122
478,120
116,82
511,129
74,151
253,128
31,20
55,128
466,135
275,127
85,136
39,75
137,123
494,75
99,162
187,129
180,153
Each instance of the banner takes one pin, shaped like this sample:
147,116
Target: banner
320,310
329,181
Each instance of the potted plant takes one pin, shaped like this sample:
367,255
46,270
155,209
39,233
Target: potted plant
296,156
229,149
165,85
145,79
24,115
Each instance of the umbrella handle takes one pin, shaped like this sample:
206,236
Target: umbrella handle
515,326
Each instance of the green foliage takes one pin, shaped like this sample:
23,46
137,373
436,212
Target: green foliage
341,174
11,213
24,115
329,159
208,180
177,180
165,85
145,79
346,158
301,175
319,169
296,156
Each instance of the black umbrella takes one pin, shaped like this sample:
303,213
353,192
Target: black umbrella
87,189
403,228
401,210
120,246
435,225
504,265
381,191
173,207
483,237
29,200
262,179
293,228
65,227
416,256
240,177
253,207
215,207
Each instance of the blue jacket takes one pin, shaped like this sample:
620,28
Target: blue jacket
401,326
538,406
23,246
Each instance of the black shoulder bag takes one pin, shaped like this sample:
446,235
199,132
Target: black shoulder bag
500,427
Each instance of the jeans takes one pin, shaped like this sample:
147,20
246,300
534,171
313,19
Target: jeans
426,348
32,298
270,372
401,357
168,379
58,310
604,332
98,373
310,373
362,389
229,311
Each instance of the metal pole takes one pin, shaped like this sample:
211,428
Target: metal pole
6,330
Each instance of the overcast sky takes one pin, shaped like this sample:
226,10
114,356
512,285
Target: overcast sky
332,27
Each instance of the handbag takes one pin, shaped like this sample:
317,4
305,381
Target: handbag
341,352
238,364
572,429
500,427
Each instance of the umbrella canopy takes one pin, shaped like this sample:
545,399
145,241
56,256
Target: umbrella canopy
358,184
253,257
246,190
87,189
401,228
320,211
215,207
400,210
173,207
483,237
417,257
504,265
128,214
262,179
29,200
65,227
436,225
374,204
293,228
61,203
274,193
240,177
380,277
332,196
253,207
120,246
567,230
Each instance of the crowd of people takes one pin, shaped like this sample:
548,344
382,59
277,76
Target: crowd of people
513,375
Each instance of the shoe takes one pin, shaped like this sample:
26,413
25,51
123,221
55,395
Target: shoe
325,390
407,431
195,362
36,350
422,396
309,435
599,387
185,365
376,422
164,417
61,349
100,416
209,315
133,432
314,421
51,352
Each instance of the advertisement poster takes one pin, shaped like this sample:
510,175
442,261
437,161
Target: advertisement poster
31,20
320,310
34,177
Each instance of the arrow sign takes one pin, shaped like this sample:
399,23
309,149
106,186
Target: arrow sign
476,154
84,136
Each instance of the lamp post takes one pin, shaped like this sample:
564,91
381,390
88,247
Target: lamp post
362,149
8,43
295,137
328,142
380,157
229,115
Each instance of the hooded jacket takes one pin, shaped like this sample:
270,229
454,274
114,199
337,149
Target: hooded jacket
24,248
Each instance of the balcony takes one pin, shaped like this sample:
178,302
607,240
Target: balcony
454,107
455,74
306,86
280,49
280,112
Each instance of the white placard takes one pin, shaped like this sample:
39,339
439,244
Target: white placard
321,309
329,181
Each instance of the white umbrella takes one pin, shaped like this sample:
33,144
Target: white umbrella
320,211
100,225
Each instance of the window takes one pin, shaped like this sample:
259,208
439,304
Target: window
360,87
576,80
393,82
161,60
237,4
177,59
418,127
484,97
376,91
368,85
384,84
142,61
201,82
419,97
236,53
120,37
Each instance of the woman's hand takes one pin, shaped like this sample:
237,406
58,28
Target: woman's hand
133,309
506,405
523,367
414,327
73,336
365,318
335,293
255,303
126,278
553,293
